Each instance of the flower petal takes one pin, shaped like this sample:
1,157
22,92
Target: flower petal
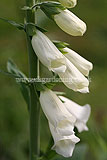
74,79
63,145
81,113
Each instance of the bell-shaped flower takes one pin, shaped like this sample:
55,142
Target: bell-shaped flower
81,113
57,113
47,53
70,23
63,145
81,63
68,3
74,79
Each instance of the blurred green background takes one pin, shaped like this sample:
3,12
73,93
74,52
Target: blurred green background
14,118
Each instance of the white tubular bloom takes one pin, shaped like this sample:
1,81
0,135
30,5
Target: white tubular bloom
81,113
63,145
68,3
57,113
74,79
47,53
81,63
70,23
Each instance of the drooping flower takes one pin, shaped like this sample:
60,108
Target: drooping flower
56,113
74,79
70,23
68,3
81,113
47,53
63,145
81,63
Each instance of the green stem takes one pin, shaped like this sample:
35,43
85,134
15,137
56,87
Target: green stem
34,104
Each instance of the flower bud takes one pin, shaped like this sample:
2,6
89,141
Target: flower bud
47,53
68,3
70,23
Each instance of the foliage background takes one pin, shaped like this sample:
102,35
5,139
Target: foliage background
14,118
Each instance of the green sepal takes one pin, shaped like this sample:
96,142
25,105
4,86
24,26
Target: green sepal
50,85
59,93
39,86
61,45
51,8
62,51
20,26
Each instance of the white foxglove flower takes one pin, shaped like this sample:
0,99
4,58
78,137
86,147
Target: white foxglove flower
74,79
70,23
57,113
63,145
81,113
80,63
68,3
47,53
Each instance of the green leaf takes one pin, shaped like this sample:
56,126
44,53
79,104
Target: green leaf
20,26
25,93
8,74
13,70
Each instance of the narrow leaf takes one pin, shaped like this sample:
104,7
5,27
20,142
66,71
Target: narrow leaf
13,69
20,26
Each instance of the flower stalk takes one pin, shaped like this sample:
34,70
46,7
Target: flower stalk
34,104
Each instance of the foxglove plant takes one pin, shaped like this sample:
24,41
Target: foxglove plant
62,114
